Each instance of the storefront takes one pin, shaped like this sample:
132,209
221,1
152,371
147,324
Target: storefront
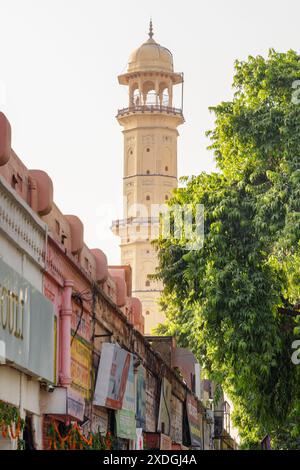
26,322
27,349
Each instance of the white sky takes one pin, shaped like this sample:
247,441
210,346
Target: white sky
59,61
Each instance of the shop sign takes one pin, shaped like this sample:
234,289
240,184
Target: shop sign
152,440
139,445
151,402
63,401
112,376
141,398
164,416
81,363
194,421
125,418
75,405
26,325
165,442
177,417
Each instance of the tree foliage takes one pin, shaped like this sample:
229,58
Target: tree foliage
222,300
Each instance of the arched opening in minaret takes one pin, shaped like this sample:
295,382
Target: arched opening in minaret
149,94
164,98
134,95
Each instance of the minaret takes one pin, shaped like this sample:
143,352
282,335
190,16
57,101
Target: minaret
150,165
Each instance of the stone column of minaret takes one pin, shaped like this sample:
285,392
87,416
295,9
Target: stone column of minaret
150,165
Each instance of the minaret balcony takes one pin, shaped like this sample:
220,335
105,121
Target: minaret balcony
150,109
148,228
116,224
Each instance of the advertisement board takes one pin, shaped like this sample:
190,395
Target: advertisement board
81,361
141,398
194,421
125,418
165,442
164,415
26,325
176,422
151,402
112,376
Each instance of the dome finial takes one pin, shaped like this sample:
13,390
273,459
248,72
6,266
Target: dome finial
150,29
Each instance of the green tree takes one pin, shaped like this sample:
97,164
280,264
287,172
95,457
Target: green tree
222,300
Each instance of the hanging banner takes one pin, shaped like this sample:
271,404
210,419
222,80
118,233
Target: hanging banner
125,418
112,376
141,398
194,421
164,416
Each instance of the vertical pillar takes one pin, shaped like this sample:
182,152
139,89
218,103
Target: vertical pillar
170,93
65,334
140,90
156,91
131,103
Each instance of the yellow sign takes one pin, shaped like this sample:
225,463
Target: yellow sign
81,363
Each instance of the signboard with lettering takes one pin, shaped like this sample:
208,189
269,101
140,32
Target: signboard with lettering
164,416
165,442
141,398
139,443
151,402
63,401
75,405
194,421
177,417
26,325
125,418
81,361
152,440
112,376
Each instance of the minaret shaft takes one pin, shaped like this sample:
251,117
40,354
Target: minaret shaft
150,166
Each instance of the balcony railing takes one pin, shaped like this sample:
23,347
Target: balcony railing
153,108
135,220
19,223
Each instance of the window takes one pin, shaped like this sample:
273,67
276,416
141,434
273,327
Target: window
166,197
128,240
148,150
148,172
166,168
147,283
147,312
147,197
